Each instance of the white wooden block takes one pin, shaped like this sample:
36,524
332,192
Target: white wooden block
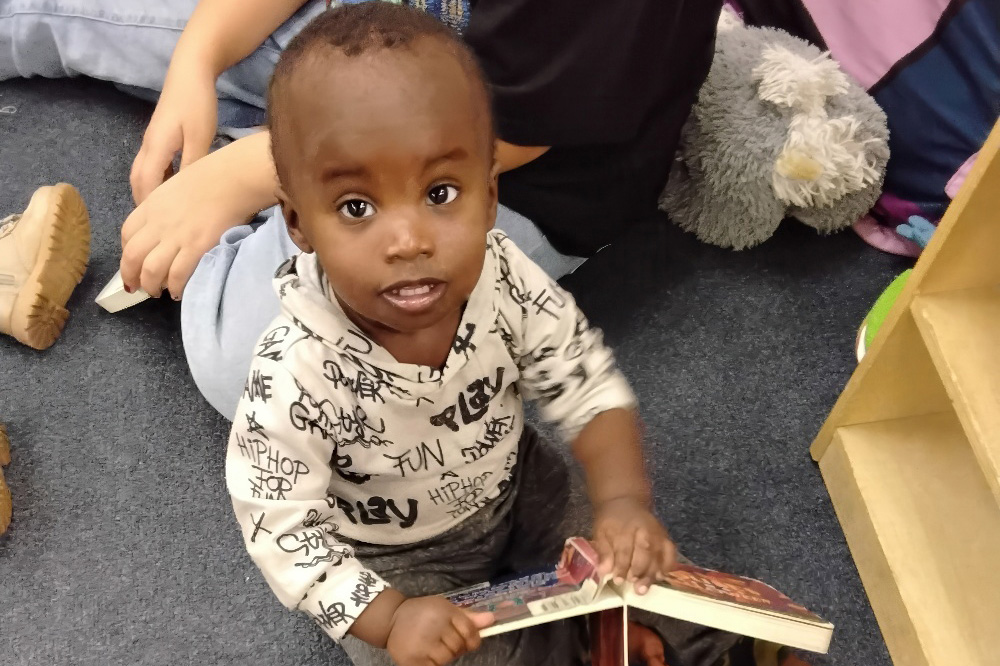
114,297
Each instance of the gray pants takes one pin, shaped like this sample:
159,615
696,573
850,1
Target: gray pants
524,529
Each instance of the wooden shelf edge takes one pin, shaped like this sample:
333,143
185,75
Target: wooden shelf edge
961,254
924,530
960,330
897,378
876,575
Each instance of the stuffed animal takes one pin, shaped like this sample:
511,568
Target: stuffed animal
778,130
5,499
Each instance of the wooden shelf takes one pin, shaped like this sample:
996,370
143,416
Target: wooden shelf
962,333
896,378
924,529
911,451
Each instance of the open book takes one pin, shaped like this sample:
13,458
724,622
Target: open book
703,596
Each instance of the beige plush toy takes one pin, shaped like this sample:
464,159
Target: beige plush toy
6,505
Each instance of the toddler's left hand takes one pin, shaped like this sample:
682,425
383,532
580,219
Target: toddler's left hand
631,543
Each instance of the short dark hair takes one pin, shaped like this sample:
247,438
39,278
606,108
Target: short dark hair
354,29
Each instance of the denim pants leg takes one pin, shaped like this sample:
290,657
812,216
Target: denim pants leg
130,42
229,300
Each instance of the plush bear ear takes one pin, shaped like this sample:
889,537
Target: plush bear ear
729,19
790,80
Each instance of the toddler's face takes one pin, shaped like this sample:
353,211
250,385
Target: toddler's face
390,180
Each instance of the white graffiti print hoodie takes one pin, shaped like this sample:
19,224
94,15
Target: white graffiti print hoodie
335,438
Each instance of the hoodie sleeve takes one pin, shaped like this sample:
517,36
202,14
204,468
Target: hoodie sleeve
278,472
566,368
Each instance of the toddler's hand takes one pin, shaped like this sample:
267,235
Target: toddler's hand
631,543
431,631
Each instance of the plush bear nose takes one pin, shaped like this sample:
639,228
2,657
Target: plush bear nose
822,160
797,165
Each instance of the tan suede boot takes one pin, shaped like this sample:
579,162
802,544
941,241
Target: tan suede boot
43,255
6,505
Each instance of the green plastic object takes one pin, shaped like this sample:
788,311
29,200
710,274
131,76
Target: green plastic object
876,316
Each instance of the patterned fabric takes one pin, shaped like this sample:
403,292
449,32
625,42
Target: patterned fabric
453,13
334,438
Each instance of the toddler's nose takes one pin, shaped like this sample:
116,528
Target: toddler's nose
411,237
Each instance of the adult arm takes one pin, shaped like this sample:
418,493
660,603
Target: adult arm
219,34
511,157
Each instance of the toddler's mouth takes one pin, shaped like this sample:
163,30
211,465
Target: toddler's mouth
414,297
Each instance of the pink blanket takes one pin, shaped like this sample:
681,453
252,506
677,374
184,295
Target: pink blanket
867,37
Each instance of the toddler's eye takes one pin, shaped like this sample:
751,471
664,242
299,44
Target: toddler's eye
357,209
442,194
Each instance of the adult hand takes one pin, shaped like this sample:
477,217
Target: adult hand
168,233
171,230
184,120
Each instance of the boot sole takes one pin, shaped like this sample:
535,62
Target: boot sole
39,312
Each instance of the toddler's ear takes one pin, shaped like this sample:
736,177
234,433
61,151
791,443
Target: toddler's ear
291,216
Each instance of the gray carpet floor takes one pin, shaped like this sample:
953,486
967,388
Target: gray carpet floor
123,549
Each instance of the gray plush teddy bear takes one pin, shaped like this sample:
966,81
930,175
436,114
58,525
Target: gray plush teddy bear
778,130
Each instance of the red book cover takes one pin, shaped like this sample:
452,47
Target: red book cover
735,589
607,638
